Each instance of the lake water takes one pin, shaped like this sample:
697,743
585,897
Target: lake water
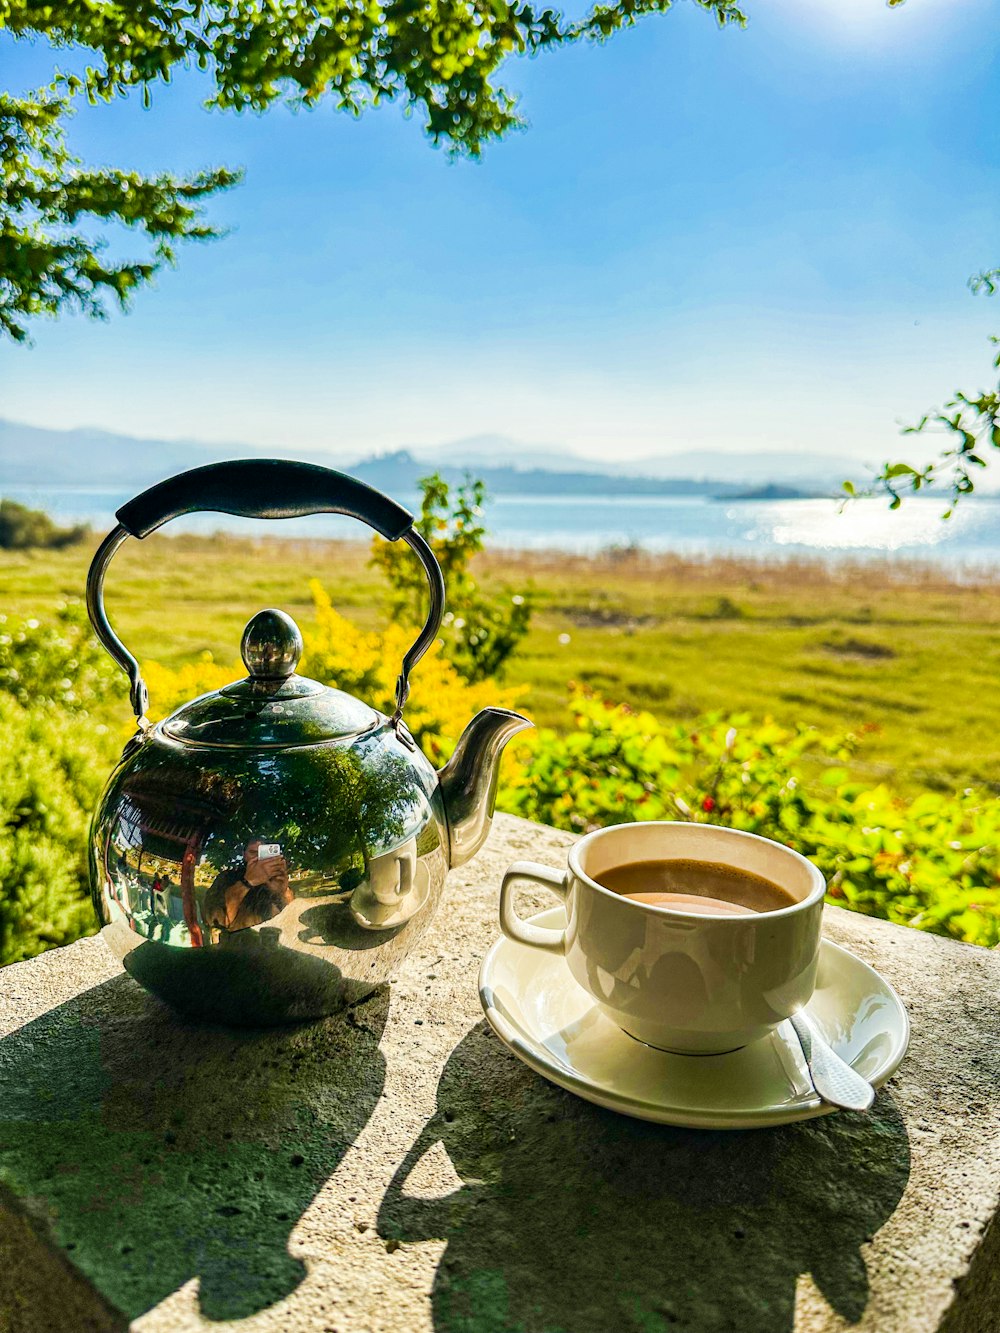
865,530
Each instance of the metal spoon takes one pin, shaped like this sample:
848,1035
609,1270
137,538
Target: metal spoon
832,1077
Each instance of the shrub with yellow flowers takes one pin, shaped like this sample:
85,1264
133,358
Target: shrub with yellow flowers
367,664
169,688
359,662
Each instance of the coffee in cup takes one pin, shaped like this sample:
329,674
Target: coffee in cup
711,887
732,954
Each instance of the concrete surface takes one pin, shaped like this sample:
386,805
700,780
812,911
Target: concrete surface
396,1169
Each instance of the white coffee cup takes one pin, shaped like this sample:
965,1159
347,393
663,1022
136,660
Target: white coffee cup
680,980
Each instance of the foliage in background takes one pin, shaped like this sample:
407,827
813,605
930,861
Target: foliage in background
50,257
57,663
54,757
970,419
53,765
170,687
440,58
481,630
367,664
932,862
24,529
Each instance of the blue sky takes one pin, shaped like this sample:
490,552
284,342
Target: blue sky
741,239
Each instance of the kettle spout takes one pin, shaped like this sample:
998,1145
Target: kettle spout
469,779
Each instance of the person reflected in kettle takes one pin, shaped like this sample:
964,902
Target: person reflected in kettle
251,893
160,904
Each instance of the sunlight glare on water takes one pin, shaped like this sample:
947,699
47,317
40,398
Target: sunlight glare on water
862,525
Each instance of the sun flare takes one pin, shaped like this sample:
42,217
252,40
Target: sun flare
872,20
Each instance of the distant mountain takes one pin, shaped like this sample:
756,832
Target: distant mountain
402,471
812,471
487,449
801,468
773,491
31,456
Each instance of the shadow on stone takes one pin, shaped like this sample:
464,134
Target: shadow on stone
156,1152
574,1218
252,982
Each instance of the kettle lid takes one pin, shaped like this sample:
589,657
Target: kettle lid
272,707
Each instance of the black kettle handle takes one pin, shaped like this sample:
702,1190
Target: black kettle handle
261,488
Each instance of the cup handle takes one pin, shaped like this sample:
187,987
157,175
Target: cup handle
514,926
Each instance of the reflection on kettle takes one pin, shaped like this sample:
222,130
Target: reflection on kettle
396,888
252,893
278,804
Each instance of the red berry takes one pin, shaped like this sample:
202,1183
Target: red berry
708,804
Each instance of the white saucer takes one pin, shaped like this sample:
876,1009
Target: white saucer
371,914
538,1010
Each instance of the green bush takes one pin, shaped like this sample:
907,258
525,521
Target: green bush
52,767
22,528
54,757
481,630
932,862
59,663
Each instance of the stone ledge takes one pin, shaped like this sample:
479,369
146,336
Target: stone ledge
397,1169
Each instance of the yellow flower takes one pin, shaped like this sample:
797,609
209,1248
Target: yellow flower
368,665
168,689
360,663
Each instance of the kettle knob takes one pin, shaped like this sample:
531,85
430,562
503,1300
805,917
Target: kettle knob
271,645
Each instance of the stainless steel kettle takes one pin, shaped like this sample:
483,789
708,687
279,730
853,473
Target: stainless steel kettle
272,851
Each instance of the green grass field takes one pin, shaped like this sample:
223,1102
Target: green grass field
899,647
